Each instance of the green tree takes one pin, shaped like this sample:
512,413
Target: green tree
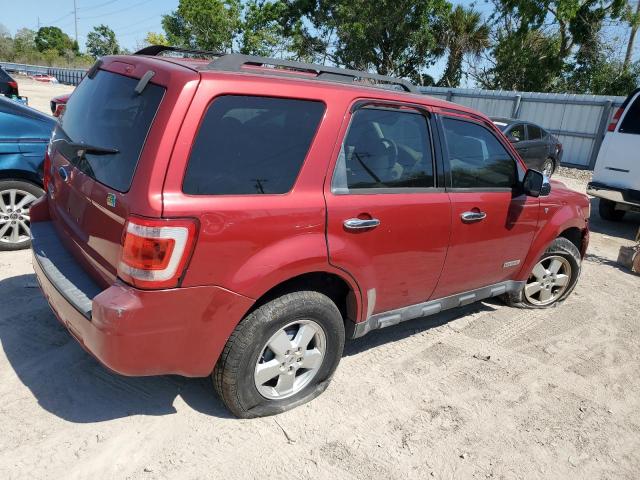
153,38
391,37
102,41
52,38
206,24
25,41
465,34
264,30
7,47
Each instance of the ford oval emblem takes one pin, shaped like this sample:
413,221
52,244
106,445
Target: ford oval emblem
63,174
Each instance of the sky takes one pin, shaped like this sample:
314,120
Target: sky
132,19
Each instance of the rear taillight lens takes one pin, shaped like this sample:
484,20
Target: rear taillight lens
13,85
615,120
46,170
155,252
59,109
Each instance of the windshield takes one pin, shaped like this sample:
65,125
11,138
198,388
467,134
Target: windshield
106,112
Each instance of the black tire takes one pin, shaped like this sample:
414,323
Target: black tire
233,376
5,187
607,210
552,166
559,247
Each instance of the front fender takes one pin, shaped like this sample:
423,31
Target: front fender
554,219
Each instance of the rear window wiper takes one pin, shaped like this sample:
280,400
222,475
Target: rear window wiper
82,148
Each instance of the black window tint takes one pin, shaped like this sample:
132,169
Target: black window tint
105,111
249,145
517,132
476,158
535,132
385,149
631,121
4,76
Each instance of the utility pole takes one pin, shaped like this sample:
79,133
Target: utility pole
75,17
632,36
38,22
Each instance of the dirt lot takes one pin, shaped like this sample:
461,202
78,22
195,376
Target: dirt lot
39,93
482,392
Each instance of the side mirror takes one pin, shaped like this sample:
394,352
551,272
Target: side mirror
535,184
512,138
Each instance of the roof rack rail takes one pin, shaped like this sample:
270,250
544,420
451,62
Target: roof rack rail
232,62
155,50
235,63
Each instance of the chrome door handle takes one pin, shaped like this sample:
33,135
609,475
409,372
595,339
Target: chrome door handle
360,224
471,217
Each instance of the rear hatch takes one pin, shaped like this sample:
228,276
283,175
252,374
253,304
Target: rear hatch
109,153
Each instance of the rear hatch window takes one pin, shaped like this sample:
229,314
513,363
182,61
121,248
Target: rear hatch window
106,113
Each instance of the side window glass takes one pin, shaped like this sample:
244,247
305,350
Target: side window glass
251,145
385,149
476,158
631,121
517,133
535,132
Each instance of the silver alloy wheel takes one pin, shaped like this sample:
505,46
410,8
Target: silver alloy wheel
548,281
290,359
547,168
14,215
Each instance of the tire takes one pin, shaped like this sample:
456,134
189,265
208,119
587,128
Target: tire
561,250
549,166
235,376
607,210
14,225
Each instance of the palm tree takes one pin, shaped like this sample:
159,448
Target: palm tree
465,34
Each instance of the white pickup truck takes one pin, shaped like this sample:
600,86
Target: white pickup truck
616,178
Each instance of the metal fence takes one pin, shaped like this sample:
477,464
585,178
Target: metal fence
68,76
579,121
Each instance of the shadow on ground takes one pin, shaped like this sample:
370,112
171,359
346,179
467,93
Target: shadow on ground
626,228
71,384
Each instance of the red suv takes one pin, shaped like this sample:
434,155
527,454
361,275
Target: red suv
241,217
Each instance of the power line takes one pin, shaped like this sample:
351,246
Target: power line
117,11
93,7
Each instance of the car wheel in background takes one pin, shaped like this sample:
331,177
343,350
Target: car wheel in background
548,167
607,210
281,355
16,196
552,279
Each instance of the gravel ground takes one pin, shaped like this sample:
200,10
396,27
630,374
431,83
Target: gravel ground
39,93
482,392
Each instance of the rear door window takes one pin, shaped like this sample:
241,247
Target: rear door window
251,145
106,112
385,149
535,132
631,121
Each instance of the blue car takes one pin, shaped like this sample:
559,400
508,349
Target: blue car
24,135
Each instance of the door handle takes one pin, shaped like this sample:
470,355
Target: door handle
360,224
472,217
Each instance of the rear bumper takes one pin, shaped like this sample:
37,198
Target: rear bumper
619,195
136,332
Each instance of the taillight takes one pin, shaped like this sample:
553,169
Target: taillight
155,252
46,170
59,109
615,120
13,84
